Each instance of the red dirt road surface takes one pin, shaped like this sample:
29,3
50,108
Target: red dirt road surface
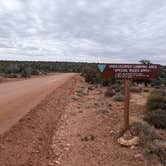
19,97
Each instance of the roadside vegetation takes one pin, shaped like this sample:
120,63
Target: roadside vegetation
156,108
153,146
25,69
14,69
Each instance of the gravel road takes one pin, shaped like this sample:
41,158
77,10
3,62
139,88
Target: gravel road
19,97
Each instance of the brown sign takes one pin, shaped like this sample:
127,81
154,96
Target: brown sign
129,71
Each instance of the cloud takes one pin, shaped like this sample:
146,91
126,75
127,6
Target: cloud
82,30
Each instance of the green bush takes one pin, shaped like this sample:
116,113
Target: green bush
91,75
156,109
26,72
154,101
157,118
161,91
35,72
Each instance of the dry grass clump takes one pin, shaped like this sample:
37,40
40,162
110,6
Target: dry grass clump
109,92
91,88
146,90
135,89
161,91
153,146
119,97
156,118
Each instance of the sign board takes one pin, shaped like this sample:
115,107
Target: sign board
129,71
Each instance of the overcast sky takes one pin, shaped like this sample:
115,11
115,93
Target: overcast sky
112,31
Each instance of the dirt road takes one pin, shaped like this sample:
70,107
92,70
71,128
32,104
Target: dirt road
75,125
18,97
89,128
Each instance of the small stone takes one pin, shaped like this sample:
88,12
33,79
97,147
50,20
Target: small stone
68,145
138,156
2,146
36,151
112,132
128,143
9,139
57,162
132,147
67,149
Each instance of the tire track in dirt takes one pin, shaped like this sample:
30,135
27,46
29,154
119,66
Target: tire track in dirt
18,97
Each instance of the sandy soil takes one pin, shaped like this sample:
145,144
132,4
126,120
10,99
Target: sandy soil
73,126
18,97
89,128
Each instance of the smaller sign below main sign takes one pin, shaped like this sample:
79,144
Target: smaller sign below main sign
129,71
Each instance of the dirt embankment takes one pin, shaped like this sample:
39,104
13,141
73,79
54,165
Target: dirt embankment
89,128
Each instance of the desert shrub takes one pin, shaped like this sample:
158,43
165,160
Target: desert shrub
151,143
154,101
156,118
88,138
156,109
115,86
12,68
102,111
161,91
18,67
35,72
90,87
122,90
117,90
12,75
91,75
163,104
144,131
109,92
146,90
118,97
157,87
104,82
135,89
155,82
26,72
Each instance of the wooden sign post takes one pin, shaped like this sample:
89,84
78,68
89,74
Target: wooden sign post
126,104
128,72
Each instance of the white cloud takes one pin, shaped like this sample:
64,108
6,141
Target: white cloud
10,5
83,30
